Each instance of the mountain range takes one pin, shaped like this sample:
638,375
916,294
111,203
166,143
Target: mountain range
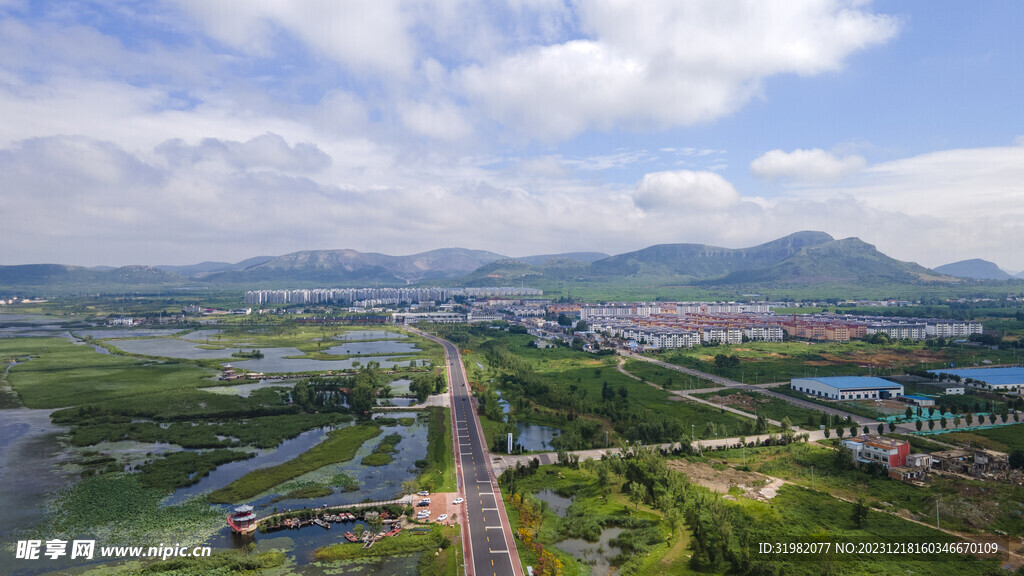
799,259
976,269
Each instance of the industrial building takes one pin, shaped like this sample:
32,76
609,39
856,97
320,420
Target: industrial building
848,387
1007,379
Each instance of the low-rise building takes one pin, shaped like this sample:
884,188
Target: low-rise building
848,387
888,452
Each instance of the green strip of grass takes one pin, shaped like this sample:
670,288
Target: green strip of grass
439,474
404,543
340,446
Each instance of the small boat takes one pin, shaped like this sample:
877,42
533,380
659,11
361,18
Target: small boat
321,524
351,537
287,522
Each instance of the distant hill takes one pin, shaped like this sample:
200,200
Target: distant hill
802,259
554,259
206,268
74,278
348,267
850,261
975,269
700,261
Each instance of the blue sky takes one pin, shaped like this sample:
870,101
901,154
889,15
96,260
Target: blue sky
185,130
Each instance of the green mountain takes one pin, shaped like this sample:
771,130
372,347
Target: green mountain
699,261
847,261
60,278
974,269
350,267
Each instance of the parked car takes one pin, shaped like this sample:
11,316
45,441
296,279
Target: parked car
458,501
442,517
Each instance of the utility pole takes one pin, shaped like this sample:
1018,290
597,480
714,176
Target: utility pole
937,525
812,477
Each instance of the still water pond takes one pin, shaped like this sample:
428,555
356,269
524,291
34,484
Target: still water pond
536,437
596,554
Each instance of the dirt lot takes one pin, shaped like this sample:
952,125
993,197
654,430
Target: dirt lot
754,486
740,401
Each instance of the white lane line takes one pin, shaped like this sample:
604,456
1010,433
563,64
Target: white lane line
488,509
492,527
485,494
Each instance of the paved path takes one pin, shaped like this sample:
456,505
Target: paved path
727,383
689,396
487,538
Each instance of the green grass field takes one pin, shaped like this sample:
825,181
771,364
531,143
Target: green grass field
64,374
668,379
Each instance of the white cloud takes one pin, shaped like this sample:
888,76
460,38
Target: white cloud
443,121
684,189
805,165
365,36
667,63
266,151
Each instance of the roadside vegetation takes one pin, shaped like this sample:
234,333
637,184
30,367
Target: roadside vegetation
671,525
582,395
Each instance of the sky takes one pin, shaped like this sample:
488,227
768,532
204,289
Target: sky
180,131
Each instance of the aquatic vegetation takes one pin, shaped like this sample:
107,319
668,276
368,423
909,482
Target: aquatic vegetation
119,509
384,453
340,446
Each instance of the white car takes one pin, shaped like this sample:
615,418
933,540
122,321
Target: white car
423,493
458,501
442,517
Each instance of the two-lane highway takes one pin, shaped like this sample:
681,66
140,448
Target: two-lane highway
487,534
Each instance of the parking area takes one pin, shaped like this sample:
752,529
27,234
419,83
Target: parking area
440,503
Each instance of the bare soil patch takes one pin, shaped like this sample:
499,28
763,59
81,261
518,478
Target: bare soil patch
753,485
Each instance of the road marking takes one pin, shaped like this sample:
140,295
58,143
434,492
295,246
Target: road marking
492,527
497,551
488,509
486,494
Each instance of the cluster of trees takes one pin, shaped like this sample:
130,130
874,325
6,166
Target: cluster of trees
425,385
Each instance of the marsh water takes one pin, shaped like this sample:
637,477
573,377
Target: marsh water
376,483
535,437
35,465
558,504
596,554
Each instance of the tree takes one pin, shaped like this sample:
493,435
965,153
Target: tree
909,413
881,428
970,419
564,320
918,425
582,326
931,424
892,427
956,421
1017,459
827,433
860,513
943,422
853,430
839,431
637,493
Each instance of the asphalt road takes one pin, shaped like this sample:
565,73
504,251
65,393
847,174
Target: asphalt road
487,534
